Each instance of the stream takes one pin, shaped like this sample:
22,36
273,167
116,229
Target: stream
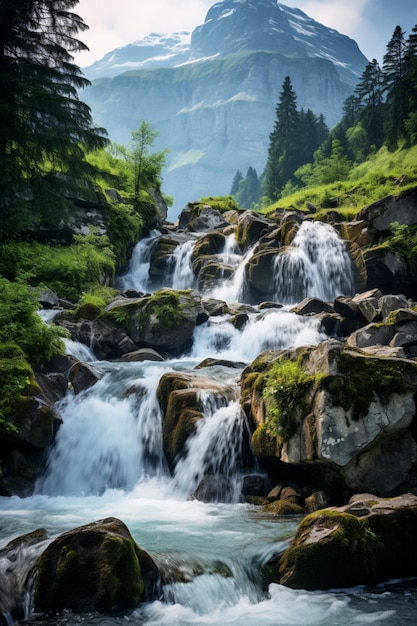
108,461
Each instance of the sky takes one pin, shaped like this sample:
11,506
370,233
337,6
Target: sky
114,24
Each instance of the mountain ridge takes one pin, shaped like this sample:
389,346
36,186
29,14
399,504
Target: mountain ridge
212,95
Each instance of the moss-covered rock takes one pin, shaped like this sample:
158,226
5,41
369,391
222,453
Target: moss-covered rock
164,320
368,541
95,567
331,408
337,545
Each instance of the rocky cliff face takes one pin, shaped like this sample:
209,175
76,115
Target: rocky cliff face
212,97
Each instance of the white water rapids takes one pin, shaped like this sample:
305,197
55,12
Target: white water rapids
108,461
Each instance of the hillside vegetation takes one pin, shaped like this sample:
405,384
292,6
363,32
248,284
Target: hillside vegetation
382,174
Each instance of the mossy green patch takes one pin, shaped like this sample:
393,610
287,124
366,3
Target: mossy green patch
360,378
284,393
17,385
342,555
120,580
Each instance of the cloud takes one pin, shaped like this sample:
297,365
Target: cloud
116,24
333,13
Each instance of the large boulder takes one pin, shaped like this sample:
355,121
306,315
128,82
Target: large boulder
164,321
197,217
370,540
107,339
384,212
331,408
94,567
251,227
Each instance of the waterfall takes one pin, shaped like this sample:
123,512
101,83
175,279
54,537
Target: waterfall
111,436
137,274
215,449
183,276
232,290
108,460
79,350
272,329
316,265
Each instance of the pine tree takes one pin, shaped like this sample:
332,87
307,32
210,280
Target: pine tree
395,88
282,152
411,85
45,130
235,184
369,92
311,132
249,189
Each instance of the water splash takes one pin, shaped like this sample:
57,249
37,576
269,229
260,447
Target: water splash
214,450
273,329
137,274
315,265
111,437
183,275
79,350
233,289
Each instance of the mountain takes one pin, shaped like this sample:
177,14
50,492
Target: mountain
212,94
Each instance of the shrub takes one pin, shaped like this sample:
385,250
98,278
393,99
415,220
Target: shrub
284,395
20,324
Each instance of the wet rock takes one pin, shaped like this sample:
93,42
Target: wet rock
384,212
195,217
181,397
105,338
143,354
82,376
368,541
256,485
313,306
390,303
164,321
215,489
251,227
371,335
94,567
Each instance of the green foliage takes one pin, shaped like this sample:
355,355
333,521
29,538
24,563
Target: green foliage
367,182
144,168
248,189
92,303
20,323
165,305
221,203
284,395
45,129
124,230
67,270
16,379
404,242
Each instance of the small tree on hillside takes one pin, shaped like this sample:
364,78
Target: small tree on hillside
145,167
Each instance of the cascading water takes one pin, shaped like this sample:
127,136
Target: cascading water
214,450
316,265
183,276
137,274
232,290
108,460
